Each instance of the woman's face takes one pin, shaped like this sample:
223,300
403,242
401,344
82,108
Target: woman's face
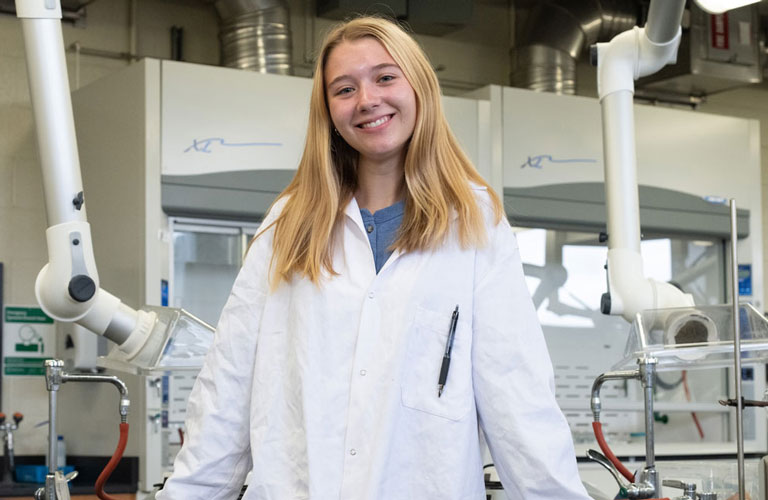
372,105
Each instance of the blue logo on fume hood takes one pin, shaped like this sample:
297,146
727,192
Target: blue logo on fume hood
205,145
745,279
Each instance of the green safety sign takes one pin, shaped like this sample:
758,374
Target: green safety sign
28,340
23,366
26,315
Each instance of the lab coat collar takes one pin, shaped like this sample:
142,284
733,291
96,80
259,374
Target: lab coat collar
352,210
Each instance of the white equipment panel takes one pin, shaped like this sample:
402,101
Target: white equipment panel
220,119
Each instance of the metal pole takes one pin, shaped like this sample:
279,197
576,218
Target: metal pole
52,436
737,349
53,369
647,371
50,478
647,368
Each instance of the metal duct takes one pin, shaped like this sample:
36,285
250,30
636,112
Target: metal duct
255,35
555,32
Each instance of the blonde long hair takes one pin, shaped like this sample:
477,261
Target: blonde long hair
438,175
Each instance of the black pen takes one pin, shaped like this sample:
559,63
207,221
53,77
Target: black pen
447,355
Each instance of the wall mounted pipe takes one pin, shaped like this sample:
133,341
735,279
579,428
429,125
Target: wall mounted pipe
627,57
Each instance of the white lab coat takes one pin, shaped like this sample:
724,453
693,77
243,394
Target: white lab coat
330,392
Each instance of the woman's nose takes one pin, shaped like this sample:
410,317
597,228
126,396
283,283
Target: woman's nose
369,97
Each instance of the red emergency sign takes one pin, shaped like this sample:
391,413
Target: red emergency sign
719,31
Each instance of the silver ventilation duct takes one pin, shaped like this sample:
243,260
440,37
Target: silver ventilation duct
555,32
255,35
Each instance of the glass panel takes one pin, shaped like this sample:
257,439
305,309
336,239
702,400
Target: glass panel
178,341
697,337
565,275
205,266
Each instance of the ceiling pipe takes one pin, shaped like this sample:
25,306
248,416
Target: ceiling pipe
255,35
555,32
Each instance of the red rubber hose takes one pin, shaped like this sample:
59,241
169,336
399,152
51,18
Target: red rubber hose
688,398
112,464
597,427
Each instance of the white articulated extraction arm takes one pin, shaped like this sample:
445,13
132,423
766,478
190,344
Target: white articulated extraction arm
68,288
630,55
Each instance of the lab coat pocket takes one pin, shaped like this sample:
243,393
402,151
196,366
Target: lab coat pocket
421,370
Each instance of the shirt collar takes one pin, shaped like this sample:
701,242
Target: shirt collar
387,213
352,210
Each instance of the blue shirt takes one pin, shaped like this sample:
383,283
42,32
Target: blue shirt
382,229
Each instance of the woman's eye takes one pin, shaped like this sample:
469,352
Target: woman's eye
345,90
386,78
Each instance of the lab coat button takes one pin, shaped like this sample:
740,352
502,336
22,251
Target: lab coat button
369,228
362,373
353,452
371,295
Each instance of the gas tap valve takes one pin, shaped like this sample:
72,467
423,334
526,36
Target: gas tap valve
642,488
689,490
7,428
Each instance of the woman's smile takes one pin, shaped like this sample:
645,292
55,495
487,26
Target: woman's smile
376,123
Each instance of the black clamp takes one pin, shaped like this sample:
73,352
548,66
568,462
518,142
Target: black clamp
81,288
744,402
78,201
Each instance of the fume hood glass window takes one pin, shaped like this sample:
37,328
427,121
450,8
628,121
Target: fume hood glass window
565,274
206,259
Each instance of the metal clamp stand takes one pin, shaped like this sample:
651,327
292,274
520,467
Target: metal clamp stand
54,377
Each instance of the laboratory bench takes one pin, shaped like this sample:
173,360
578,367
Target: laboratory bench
82,492
122,483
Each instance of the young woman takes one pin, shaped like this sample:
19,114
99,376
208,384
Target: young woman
385,253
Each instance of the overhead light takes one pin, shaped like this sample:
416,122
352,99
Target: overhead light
720,6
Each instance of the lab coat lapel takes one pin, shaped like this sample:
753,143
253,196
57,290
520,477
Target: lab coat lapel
352,210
